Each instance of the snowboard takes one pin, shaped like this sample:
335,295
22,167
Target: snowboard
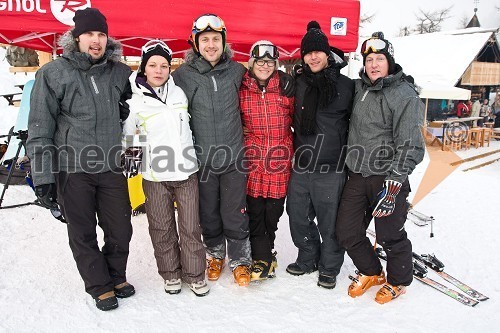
135,192
21,123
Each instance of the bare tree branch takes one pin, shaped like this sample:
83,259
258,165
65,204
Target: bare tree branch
431,21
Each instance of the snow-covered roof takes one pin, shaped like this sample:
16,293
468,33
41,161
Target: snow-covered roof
438,58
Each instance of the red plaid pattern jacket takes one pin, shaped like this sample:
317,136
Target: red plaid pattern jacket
267,119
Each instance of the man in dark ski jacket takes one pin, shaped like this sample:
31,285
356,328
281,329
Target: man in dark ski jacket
211,82
74,141
385,144
322,108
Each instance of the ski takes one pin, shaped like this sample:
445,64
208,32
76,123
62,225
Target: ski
418,218
420,273
447,291
435,264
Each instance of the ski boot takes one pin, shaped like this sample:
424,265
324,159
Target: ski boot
214,268
362,283
388,292
262,270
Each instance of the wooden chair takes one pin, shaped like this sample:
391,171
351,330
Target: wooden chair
486,136
495,134
474,136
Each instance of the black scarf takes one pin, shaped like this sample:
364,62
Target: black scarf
321,90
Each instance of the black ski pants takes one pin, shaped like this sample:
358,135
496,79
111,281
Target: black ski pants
223,214
315,195
264,214
356,206
82,197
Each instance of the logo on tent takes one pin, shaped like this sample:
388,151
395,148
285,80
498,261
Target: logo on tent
338,26
64,10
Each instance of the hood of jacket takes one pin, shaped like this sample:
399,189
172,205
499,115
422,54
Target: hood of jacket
142,88
250,82
195,60
383,81
83,60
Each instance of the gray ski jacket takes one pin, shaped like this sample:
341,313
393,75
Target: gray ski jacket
74,121
213,97
384,133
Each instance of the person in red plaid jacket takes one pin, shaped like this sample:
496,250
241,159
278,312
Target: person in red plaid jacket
267,118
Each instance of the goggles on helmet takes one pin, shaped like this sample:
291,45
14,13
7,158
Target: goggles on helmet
208,22
376,45
262,50
153,44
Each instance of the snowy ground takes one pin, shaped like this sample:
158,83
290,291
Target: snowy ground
41,291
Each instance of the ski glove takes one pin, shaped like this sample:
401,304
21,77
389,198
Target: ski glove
47,195
386,199
287,84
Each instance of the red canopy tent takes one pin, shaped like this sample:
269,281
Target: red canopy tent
37,24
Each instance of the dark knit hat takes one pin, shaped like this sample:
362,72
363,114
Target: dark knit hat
89,19
384,48
314,40
151,48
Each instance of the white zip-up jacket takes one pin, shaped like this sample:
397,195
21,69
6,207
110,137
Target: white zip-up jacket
163,125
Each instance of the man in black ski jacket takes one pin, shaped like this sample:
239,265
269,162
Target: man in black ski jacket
323,101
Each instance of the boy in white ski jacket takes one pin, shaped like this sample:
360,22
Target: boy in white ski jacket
159,113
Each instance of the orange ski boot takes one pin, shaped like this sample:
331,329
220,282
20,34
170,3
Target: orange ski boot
214,268
362,283
242,275
388,292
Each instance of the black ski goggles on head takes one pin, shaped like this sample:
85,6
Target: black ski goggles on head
376,45
262,50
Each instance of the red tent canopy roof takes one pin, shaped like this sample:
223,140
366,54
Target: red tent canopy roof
38,23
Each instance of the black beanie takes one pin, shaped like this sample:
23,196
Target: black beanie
314,40
157,50
89,19
388,51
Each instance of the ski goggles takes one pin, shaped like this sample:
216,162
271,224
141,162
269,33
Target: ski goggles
153,44
208,22
262,50
376,45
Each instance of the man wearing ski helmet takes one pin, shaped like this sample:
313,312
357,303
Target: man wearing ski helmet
211,81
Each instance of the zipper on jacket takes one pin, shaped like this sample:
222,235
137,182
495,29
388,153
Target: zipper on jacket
267,123
364,95
215,83
382,111
180,127
94,85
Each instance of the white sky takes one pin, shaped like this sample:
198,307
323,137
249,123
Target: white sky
390,15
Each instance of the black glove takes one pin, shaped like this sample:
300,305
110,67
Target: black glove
47,195
297,71
123,105
287,84
387,199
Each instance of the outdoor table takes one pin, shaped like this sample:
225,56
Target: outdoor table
449,122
